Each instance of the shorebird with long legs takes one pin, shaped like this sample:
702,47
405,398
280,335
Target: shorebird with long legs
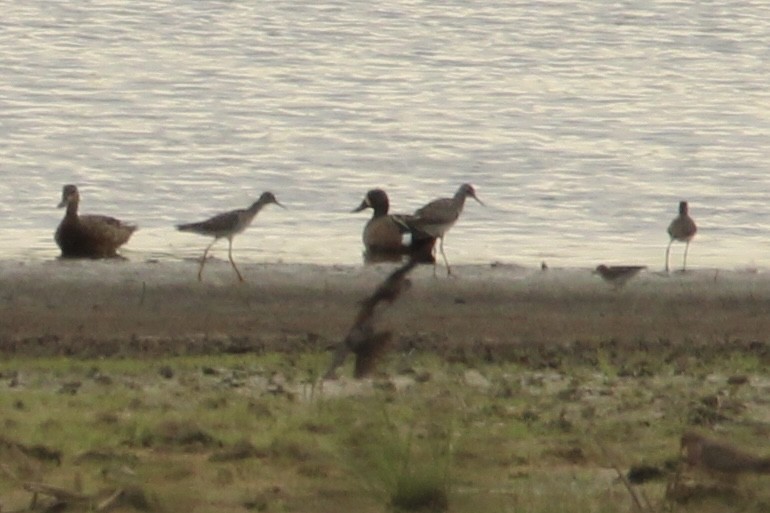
438,216
383,234
682,229
228,225
88,236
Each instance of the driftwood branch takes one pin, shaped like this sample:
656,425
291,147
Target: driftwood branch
641,508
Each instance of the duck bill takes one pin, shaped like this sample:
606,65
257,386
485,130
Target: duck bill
363,206
63,203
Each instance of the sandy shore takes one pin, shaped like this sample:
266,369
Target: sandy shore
104,308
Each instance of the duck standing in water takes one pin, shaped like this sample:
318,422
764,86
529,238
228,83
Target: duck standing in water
88,236
383,234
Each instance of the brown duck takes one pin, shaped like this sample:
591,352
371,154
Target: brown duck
88,236
720,459
383,234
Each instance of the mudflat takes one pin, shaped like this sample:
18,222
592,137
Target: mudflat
100,308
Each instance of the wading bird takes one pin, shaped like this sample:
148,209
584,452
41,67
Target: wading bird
682,229
437,217
228,225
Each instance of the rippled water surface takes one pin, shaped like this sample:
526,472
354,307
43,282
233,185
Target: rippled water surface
581,124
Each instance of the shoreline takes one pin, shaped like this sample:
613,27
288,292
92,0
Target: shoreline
102,308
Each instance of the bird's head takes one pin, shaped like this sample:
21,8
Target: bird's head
376,199
467,190
268,198
69,194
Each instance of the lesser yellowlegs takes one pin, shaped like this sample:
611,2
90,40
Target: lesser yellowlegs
438,216
228,225
682,229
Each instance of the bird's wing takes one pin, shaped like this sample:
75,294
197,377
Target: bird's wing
217,223
400,220
100,222
102,231
437,212
619,270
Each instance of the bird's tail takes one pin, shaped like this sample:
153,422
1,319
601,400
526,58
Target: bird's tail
410,224
189,227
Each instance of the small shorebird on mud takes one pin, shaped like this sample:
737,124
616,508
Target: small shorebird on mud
618,275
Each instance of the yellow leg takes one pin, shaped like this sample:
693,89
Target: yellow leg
446,262
203,260
668,249
230,254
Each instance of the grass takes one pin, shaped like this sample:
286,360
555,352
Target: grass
407,466
252,433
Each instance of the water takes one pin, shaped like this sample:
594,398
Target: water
581,124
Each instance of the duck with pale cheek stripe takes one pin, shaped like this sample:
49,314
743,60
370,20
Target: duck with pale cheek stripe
383,234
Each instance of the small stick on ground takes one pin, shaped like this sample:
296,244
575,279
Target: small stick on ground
647,507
